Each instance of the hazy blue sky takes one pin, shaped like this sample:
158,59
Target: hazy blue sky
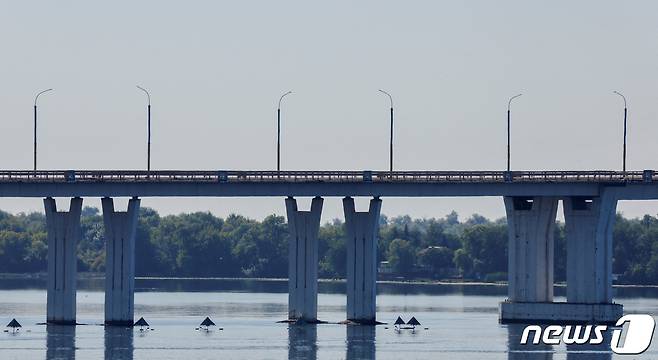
216,69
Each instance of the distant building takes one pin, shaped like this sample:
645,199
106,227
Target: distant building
385,268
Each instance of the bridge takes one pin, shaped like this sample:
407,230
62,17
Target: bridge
530,197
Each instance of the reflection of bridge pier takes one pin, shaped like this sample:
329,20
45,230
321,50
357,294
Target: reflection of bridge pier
591,352
60,342
118,343
360,342
302,342
529,351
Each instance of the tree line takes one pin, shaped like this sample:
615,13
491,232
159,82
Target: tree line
202,245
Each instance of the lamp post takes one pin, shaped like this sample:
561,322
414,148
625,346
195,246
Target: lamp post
509,103
278,132
625,113
390,155
35,126
148,147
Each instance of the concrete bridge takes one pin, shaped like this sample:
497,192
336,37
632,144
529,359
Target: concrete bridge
531,198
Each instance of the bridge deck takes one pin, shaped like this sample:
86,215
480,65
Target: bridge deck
86,176
229,183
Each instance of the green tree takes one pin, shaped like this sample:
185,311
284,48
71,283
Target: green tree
331,250
436,258
401,256
463,262
487,246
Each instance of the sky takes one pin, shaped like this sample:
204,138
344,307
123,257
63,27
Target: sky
215,70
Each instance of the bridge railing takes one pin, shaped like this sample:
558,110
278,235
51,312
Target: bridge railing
64,176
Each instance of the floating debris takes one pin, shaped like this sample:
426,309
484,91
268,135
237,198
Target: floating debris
14,325
142,323
399,322
206,323
413,322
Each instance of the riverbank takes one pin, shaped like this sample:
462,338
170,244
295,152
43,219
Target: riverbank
457,282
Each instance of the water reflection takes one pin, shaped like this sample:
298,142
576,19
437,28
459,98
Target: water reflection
302,341
118,343
591,352
545,352
60,342
360,342
529,351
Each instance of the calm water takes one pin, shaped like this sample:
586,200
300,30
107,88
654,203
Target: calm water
462,323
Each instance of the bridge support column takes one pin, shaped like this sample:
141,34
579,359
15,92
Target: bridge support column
63,234
531,223
361,230
303,227
120,228
589,224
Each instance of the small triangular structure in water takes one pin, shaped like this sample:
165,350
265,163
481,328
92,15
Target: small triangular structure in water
207,322
413,321
141,322
399,321
14,324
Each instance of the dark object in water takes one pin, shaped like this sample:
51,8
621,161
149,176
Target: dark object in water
14,325
413,321
207,322
399,321
141,323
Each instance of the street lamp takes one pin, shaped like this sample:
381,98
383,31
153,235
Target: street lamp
390,155
148,148
625,112
278,132
509,103
35,126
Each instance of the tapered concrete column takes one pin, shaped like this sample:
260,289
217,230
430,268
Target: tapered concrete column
361,230
120,228
63,236
531,222
303,227
531,225
589,224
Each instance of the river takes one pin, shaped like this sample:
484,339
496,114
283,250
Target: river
458,322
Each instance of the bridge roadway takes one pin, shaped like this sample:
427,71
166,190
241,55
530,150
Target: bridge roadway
630,185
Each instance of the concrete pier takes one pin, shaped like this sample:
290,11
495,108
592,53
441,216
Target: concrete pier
120,228
361,233
589,223
63,235
531,222
303,227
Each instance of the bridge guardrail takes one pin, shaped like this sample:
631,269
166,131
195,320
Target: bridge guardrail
224,176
